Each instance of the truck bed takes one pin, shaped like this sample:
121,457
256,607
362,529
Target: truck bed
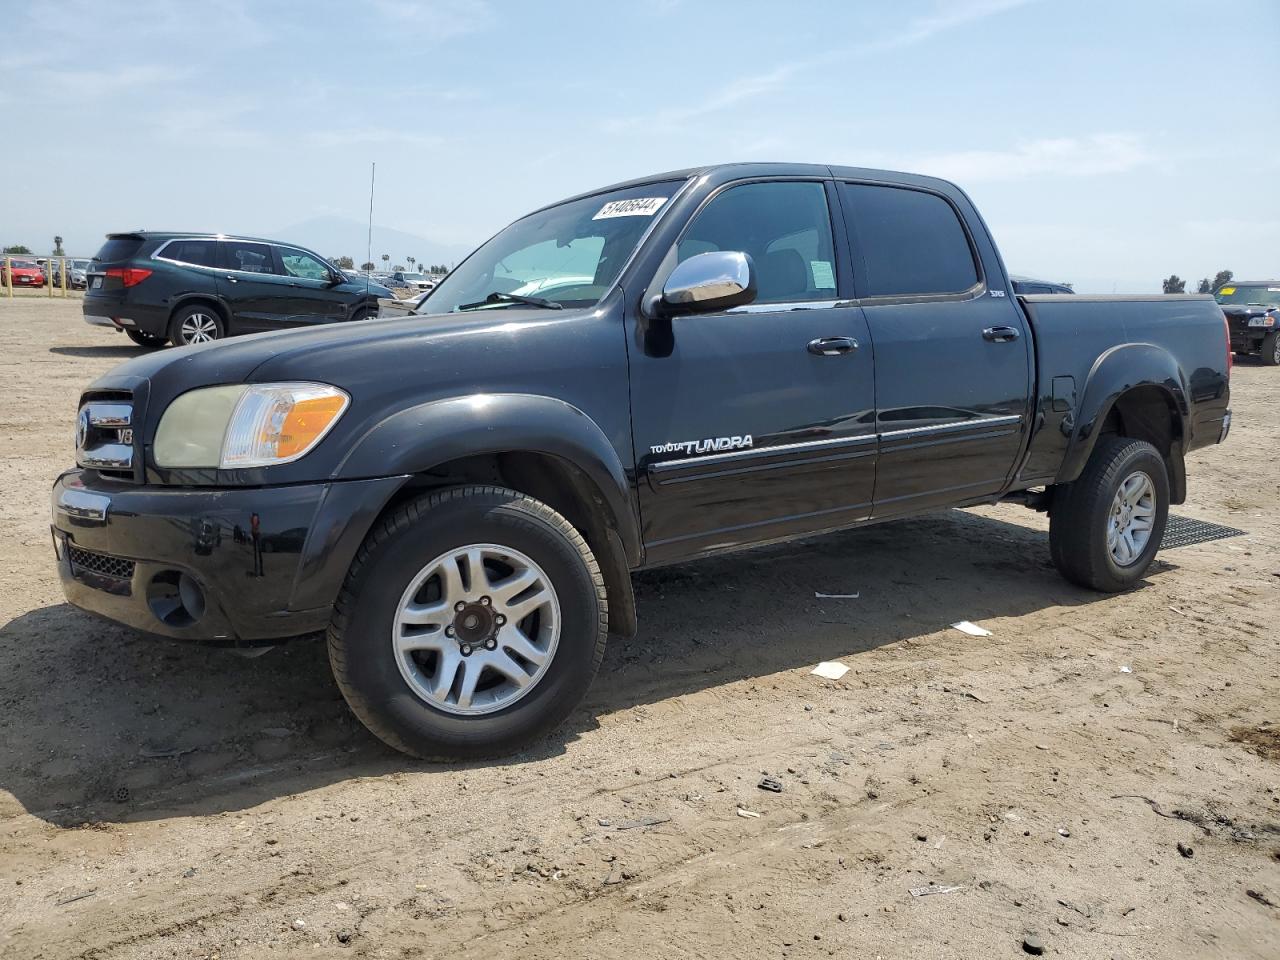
1174,341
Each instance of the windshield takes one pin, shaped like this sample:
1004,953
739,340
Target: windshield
1267,295
570,254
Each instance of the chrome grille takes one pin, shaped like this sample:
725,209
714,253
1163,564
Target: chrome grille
100,563
104,436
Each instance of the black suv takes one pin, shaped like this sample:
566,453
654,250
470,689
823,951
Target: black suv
188,288
1252,309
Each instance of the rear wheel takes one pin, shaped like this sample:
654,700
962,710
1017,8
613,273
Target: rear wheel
196,324
471,623
1271,349
1106,526
144,339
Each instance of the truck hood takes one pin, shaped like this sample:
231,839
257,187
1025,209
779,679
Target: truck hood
346,355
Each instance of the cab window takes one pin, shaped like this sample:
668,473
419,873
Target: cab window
246,257
784,226
912,243
297,263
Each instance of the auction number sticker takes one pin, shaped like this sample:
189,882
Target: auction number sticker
638,207
1226,291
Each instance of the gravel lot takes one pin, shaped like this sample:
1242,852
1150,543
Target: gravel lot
158,800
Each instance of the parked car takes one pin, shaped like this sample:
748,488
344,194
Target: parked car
1023,285
26,273
748,353
187,288
76,273
1252,309
401,307
413,281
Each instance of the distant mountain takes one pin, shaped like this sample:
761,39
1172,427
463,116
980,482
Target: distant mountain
340,236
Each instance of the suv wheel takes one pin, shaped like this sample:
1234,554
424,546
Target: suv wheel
144,339
471,623
196,324
1105,527
1271,349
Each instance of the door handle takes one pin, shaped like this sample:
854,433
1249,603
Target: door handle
1000,334
232,279
832,346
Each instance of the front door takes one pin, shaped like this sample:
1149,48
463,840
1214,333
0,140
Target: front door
757,422
312,298
252,286
952,354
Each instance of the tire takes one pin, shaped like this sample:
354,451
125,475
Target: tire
1081,514
1271,349
392,692
363,313
198,323
144,339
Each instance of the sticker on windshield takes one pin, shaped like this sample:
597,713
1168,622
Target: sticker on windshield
1273,289
1226,291
639,207
824,277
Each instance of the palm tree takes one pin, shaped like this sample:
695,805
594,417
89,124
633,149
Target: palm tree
386,258
412,261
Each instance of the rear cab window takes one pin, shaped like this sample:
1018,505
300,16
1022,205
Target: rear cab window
911,243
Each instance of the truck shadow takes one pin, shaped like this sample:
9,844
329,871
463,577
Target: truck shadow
102,724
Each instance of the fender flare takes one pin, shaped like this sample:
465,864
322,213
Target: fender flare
1117,371
425,436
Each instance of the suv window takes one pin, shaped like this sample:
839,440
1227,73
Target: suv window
118,248
298,263
784,226
912,243
200,253
246,256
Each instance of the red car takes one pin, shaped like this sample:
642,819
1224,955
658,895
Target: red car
26,273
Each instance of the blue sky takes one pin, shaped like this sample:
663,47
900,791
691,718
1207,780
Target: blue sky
1108,143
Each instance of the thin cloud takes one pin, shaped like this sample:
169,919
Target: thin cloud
743,88
354,135
947,16
1095,155
438,18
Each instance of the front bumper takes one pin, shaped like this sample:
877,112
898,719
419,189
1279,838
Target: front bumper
234,567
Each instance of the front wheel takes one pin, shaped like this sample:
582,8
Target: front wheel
471,623
1271,349
1106,526
144,339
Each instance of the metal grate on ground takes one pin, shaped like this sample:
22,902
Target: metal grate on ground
1183,531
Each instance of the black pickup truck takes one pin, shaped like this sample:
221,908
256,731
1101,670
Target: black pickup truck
664,369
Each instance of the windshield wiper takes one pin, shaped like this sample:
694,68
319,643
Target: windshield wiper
497,297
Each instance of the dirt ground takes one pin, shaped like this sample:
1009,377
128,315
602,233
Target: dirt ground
158,800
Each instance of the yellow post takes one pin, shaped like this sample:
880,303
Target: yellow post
8,275
63,273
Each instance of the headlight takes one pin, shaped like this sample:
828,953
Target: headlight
251,425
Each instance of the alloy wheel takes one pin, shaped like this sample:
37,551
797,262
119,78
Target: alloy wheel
1132,518
199,328
476,629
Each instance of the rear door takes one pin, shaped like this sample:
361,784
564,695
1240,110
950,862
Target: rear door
744,429
952,352
313,298
252,286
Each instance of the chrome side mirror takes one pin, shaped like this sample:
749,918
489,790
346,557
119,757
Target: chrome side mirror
709,281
